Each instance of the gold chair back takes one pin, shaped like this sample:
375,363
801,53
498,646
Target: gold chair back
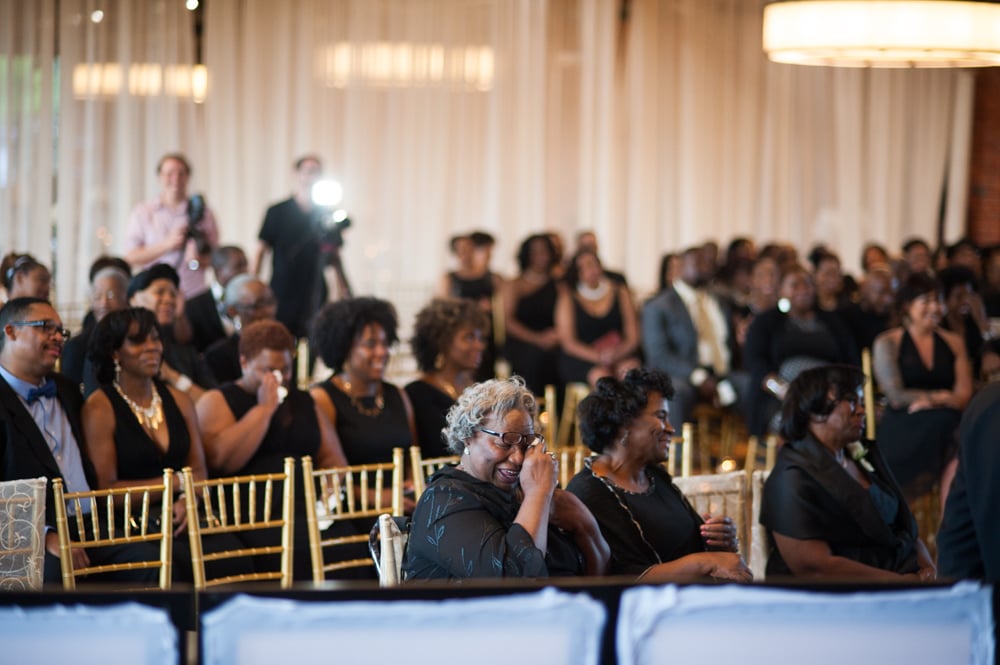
348,493
235,505
425,468
117,516
870,414
568,422
720,494
571,460
22,534
548,416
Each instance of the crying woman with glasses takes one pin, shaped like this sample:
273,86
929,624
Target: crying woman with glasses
498,513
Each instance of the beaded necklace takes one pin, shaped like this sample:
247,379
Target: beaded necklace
150,416
371,412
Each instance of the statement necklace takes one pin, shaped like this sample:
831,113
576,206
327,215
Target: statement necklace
594,293
150,416
371,412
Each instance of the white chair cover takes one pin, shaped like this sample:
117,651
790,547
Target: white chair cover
125,634
766,626
759,549
22,534
547,626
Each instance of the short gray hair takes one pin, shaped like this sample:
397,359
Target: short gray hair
116,275
234,289
496,397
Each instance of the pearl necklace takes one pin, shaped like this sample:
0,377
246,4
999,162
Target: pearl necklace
594,293
148,416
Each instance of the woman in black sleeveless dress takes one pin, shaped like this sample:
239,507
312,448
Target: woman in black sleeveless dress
597,323
253,423
925,373
532,344
136,425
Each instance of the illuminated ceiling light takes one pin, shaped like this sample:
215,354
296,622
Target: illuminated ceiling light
191,5
883,33
96,16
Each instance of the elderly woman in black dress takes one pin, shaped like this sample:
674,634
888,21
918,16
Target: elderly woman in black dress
831,506
653,531
449,338
498,512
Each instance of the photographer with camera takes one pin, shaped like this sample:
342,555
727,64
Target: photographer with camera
173,228
302,240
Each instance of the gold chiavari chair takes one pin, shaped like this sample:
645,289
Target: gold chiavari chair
680,452
348,493
568,422
391,545
548,417
571,460
721,495
425,468
115,517
237,505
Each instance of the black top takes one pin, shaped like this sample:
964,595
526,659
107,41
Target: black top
185,359
864,325
430,406
74,363
536,310
917,376
370,439
203,312
223,359
296,273
293,431
139,456
809,496
670,526
463,527
591,328
774,338
969,540
475,288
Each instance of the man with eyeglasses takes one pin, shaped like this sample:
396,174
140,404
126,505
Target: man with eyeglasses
247,299
40,429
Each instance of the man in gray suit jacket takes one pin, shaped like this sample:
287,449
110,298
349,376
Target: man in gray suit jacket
687,333
40,429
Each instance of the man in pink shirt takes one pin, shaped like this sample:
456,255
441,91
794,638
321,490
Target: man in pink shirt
159,231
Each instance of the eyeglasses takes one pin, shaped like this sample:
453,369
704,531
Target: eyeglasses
510,439
48,327
854,400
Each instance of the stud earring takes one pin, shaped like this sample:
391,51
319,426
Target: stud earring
439,362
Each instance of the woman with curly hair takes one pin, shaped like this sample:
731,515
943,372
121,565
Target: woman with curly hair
653,531
449,337
370,415
498,513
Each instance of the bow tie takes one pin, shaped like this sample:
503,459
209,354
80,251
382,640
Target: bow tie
48,389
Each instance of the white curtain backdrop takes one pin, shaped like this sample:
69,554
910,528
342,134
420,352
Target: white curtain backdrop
658,131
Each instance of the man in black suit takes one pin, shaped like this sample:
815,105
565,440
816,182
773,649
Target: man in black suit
40,429
968,542
206,311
